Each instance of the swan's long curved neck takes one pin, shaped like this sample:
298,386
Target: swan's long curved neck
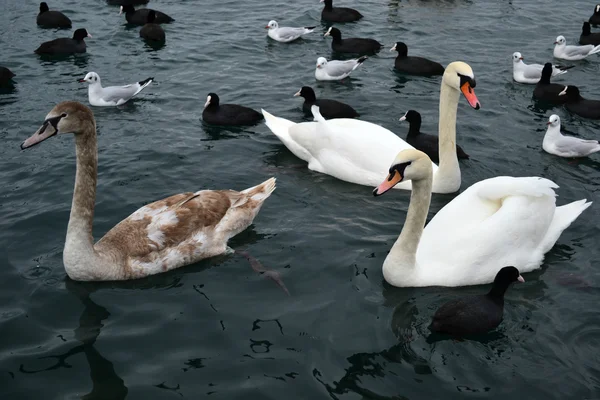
79,250
448,172
402,257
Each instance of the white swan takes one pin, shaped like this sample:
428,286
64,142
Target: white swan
360,152
166,234
495,222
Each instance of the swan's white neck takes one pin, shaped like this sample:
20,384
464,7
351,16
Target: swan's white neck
79,256
447,176
400,264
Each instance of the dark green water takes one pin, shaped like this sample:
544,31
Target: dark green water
219,328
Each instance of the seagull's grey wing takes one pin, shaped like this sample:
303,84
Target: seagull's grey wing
339,68
532,71
116,93
288,33
573,145
571,51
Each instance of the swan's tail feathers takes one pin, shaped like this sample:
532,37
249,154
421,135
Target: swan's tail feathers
595,50
317,113
495,189
563,217
279,126
261,192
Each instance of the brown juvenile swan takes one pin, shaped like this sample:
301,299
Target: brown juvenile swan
161,236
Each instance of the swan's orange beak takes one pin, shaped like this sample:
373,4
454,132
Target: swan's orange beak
392,180
469,94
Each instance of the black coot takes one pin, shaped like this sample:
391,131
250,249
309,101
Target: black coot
476,314
352,45
65,45
578,105
52,19
6,76
587,37
228,114
428,144
546,91
339,14
328,108
415,65
140,17
151,30
595,18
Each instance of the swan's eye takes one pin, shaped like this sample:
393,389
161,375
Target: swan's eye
63,115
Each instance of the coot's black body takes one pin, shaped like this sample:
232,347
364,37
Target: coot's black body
151,30
428,144
546,91
587,37
352,45
339,14
329,109
65,46
228,114
140,17
415,65
579,105
6,76
476,314
52,19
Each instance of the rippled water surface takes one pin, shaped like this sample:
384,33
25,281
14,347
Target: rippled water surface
217,328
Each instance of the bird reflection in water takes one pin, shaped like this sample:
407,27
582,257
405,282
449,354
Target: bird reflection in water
106,384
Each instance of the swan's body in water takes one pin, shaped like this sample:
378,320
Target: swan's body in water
495,222
360,152
161,236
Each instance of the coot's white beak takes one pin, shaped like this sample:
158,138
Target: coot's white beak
393,48
207,102
520,279
121,11
298,92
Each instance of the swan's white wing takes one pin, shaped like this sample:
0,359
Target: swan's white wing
494,223
350,149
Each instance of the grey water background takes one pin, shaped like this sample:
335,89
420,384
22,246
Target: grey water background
217,329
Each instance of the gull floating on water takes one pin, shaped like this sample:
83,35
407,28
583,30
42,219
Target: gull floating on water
335,70
286,34
566,146
561,50
531,73
111,95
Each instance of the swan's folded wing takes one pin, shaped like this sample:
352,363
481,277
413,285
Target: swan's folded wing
168,232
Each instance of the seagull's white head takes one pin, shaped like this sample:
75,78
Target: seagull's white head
560,40
91,78
272,25
321,62
517,57
554,120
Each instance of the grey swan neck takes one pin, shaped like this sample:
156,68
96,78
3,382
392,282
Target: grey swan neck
447,176
79,256
400,263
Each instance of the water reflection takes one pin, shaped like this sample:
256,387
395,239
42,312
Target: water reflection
106,384
79,60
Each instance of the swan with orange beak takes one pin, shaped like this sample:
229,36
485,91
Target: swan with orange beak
360,152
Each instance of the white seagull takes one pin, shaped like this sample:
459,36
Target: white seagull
561,50
111,95
566,146
286,34
531,73
335,70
